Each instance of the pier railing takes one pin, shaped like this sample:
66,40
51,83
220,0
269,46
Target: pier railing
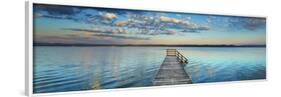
180,57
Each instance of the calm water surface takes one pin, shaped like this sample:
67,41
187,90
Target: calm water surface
60,69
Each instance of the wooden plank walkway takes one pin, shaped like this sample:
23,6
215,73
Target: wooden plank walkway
172,70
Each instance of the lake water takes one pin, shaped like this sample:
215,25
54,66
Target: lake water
61,69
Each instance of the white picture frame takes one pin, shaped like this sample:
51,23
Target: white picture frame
29,42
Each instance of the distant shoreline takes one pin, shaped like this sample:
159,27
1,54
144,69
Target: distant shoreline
131,45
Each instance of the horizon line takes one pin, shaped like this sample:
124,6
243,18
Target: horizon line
181,45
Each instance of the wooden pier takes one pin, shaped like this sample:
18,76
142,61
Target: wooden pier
172,71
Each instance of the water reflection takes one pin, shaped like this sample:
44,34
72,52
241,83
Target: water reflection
58,69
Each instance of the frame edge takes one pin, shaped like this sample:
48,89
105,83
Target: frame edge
28,48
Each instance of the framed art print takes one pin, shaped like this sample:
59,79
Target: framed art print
74,48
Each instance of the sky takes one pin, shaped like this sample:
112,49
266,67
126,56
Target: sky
92,25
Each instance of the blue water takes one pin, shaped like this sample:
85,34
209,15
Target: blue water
61,69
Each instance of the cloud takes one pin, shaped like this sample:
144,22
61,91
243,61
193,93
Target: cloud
251,24
170,20
238,23
196,27
102,18
109,16
83,30
254,23
146,24
149,24
117,33
122,36
108,31
122,23
58,17
167,32
182,24
143,23
189,31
